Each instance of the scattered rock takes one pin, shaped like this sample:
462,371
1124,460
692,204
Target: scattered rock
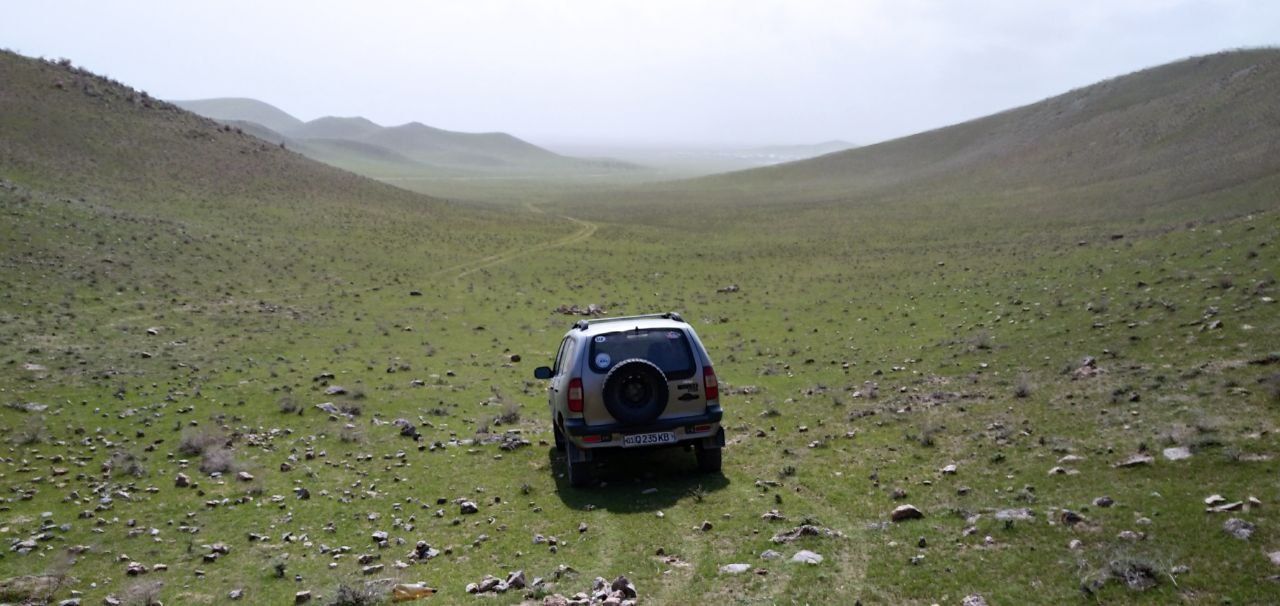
949,470
235,594
805,530
624,585
770,554
182,480
804,556
1238,528
302,597
1104,501
735,568
1070,518
1136,461
973,600
407,592
468,507
903,513
1225,507
1177,453
1011,515
1214,500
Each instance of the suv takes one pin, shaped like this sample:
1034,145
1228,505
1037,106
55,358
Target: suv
635,381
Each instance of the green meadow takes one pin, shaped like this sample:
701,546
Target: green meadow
1032,298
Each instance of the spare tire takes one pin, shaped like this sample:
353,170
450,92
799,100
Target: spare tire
635,391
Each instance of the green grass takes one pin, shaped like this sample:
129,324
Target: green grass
945,303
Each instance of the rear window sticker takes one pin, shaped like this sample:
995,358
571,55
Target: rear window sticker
603,360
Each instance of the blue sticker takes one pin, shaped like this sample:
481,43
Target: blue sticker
603,360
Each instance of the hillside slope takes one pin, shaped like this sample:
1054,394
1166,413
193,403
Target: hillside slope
1160,136
118,157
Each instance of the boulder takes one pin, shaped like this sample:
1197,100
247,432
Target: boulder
903,513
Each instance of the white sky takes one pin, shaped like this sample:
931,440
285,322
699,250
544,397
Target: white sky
641,72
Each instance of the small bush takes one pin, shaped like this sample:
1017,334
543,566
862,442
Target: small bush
925,434
142,593
195,441
1022,387
32,432
981,340
218,460
356,594
350,434
124,463
1271,386
510,414
289,406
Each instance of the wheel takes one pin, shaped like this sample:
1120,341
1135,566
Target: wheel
635,391
555,429
579,471
708,459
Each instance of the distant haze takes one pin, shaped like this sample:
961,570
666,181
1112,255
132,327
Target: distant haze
639,73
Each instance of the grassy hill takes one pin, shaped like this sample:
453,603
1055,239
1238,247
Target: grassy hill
1169,136
248,110
990,345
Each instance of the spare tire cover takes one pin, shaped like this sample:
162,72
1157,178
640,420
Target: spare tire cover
635,391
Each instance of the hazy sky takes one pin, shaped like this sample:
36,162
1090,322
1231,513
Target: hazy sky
649,71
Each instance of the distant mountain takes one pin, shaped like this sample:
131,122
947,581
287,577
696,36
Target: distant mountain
248,110
331,127
412,149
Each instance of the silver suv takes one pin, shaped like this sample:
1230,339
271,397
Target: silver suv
633,382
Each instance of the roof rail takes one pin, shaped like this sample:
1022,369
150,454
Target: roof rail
670,315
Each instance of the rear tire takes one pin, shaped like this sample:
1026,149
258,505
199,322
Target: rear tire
579,472
708,459
559,435
635,391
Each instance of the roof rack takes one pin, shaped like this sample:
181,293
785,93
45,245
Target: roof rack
670,315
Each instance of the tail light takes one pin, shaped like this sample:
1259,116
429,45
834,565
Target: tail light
575,395
710,385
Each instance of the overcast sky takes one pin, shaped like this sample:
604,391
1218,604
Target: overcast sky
648,71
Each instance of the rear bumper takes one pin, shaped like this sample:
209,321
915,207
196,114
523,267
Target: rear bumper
579,427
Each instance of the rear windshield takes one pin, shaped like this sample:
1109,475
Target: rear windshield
668,349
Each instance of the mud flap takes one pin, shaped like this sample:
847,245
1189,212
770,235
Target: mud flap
715,441
577,454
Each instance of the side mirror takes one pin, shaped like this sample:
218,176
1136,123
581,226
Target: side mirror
542,372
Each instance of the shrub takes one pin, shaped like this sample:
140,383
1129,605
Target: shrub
350,434
289,406
143,593
510,414
356,594
218,460
32,432
1022,387
123,463
195,441
981,340
1271,386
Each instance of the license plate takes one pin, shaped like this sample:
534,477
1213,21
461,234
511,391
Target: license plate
649,439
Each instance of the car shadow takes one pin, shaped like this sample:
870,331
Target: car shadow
634,481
